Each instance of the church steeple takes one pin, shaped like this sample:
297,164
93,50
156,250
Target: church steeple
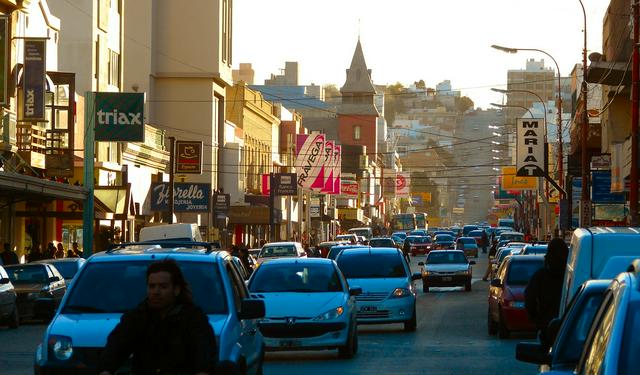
358,75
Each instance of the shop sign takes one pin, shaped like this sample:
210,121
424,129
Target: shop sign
221,202
119,117
337,169
314,211
188,197
530,160
601,162
349,188
309,158
510,181
601,188
4,52
403,183
350,214
389,183
285,184
188,157
35,65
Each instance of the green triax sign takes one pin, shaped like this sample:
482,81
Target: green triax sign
119,116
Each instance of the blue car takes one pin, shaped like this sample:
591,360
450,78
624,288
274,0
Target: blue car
113,282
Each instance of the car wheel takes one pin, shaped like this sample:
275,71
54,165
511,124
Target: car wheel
492,327
410,325
351,347
425,287
14,319
467,286
503,331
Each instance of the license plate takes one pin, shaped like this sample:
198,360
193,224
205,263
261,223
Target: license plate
289,343
368,308
447,278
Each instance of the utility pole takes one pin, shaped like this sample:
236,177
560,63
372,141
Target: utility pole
635,101
585,216
272,209
172,172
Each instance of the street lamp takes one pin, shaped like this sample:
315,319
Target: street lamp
558,103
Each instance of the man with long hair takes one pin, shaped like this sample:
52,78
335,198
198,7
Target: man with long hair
166,333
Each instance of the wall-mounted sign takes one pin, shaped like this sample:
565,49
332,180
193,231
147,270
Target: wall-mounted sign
4,52
601,188
403,183
285,184
530,159
221,202
389,183
119,116
188,155
35,65
509,180
349,188
188,197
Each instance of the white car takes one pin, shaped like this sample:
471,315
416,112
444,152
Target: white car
388,294
308,306
445,268
275,250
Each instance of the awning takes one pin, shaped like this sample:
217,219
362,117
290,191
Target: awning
609,73
116,200
17,186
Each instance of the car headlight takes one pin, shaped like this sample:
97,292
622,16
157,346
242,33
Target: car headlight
465,272
331,314
400,293
61,347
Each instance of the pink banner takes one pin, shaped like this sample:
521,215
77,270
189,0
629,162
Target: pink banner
328,167
309,158
337,168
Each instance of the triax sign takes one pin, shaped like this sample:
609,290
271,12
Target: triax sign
530,159
119,116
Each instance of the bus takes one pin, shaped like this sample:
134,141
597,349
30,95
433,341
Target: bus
421,221
403,222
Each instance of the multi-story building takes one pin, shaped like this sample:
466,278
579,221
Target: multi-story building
289,76
535,77
244,73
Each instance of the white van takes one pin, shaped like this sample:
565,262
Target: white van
169,232
591,250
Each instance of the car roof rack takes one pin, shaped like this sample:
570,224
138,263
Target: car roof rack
164,244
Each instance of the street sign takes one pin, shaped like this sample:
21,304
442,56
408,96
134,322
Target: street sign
285,184
530,155
188,157
585,213
119,116
221,202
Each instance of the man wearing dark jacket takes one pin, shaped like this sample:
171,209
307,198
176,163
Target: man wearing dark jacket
166,333
544,291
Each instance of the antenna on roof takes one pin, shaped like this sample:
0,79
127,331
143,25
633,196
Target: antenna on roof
358,29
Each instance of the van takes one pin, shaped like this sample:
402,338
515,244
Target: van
365,232
505,222
171,232
590,251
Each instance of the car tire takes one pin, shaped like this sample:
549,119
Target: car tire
492,327
425,288
412,324
503,331
348,350
467,286
14,319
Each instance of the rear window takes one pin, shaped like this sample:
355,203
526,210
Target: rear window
419,239
27,274
117,287
475,233
67,269
446,257
278,251
520,273
365,265
444,238
467,240
381,242
517,237
306,278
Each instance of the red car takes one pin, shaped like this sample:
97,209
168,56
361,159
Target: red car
419,244
506,295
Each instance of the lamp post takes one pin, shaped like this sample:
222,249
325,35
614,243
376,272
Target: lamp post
585,219
558,106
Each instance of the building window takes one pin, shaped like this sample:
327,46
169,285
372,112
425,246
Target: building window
227,7
114,69
356,133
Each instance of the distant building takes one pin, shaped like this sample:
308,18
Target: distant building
535,77
245,74
444,89
289,76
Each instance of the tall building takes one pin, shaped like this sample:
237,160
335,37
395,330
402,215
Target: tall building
357,114
289,76
244,73
535,77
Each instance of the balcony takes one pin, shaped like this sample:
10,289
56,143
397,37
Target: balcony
32,144
8,136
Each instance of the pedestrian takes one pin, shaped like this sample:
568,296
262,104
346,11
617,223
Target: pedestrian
485,242
59,253
492,253
76,249
166,333
243,255
9,256
49,252
34,253
235,250
406,248
71,254
543,293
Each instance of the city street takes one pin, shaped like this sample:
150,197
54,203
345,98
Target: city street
451,339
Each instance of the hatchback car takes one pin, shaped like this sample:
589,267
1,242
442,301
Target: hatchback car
506,312
446,268
382,242
324,247
337,249
275,250
443,242
308,306
419,245
388,294
40,288
113,282
68,267
8,307
468,245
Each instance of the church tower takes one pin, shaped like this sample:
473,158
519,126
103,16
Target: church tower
357,114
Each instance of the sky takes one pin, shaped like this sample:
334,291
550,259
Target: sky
408,40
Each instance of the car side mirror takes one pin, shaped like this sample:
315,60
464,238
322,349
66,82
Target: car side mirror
252,309
553,328
497,283
421,263
416,276
355,291
53,279
472,262
532,353
5,281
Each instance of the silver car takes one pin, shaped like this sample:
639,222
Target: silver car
388,294
445,268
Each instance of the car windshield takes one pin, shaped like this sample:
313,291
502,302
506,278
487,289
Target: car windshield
27,274
116,287
307,278
278,251
520,273
365,265
519,237
503,254
475,233
467,240
444,238
67,269
419,239
381,242
578,329
446,257
360,232
400,235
